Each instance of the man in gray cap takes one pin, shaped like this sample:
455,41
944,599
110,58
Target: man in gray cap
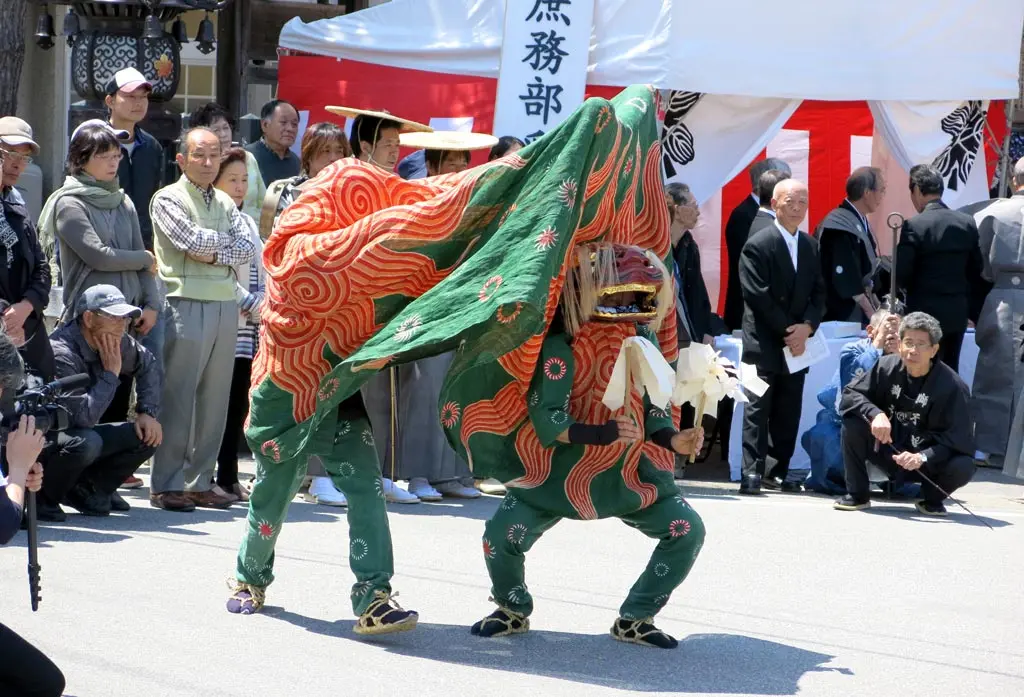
94,458
24,271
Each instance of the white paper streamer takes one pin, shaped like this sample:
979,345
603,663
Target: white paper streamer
650,371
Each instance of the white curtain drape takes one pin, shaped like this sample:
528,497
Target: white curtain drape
708,139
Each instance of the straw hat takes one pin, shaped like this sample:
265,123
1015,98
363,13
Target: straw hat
405,125
448,140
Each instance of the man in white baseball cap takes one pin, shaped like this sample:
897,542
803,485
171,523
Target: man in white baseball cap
142,163
128,80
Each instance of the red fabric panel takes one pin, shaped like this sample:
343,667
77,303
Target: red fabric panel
313,82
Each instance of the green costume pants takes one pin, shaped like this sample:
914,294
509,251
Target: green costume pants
517,525
352,466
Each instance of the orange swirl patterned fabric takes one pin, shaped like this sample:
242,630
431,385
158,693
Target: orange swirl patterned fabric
366,270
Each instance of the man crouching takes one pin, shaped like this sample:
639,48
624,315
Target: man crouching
909,411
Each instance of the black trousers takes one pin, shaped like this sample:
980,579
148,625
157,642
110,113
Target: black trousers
25,671
238,410
101,457
949,349
118,409
771,423
859,450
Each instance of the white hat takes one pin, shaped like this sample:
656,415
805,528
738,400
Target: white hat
127,80
15,131
121,134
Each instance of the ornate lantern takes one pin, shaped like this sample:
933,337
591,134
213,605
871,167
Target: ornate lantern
108,35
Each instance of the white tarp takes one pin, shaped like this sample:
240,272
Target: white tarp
873,49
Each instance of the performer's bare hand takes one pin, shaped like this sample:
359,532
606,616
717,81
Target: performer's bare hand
881,429
629,432
689,441
908,461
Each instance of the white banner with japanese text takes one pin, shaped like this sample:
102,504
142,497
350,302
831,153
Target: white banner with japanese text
543,72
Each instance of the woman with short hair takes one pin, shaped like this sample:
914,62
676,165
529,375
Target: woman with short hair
233,179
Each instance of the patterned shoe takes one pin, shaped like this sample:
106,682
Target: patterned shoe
385,616
245,599
642,632
501,622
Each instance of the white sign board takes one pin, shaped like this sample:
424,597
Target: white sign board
545,50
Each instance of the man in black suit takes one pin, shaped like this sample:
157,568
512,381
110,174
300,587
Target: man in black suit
737,229
765,191
939,262
849,253
784,298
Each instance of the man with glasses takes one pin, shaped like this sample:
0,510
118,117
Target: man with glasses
199,237
95,458
908,412
24,271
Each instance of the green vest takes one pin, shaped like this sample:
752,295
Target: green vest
183,276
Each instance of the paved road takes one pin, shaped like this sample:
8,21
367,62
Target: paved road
788,597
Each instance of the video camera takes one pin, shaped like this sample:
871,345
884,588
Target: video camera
42,403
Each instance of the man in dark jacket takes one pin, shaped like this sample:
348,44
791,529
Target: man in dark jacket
142,165
24,271
938,261
909,413
737,229
784,297
97,457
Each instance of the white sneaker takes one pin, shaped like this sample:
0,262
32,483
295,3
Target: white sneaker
456,490
396,494
323,492
421,489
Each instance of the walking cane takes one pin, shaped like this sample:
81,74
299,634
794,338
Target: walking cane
892,304
937,487
33,549
393,374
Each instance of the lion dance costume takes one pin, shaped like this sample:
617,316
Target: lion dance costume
367,271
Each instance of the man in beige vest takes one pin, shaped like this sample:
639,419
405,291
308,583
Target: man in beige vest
198,236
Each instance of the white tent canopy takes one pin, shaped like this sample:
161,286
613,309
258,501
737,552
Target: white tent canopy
907,50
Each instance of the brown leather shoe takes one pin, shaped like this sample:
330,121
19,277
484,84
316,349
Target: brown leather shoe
209,499
172,501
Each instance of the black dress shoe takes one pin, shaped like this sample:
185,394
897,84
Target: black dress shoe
770,483
119,504
50,513
792,487
750,484
88,501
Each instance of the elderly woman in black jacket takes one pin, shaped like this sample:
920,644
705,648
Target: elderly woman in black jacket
24,271
693,293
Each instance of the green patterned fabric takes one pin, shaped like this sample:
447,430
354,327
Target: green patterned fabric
366,270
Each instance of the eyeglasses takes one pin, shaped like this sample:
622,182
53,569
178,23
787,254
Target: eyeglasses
16,156
914,346
115,156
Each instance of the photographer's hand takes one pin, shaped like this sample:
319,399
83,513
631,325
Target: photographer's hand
23,447
34,480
